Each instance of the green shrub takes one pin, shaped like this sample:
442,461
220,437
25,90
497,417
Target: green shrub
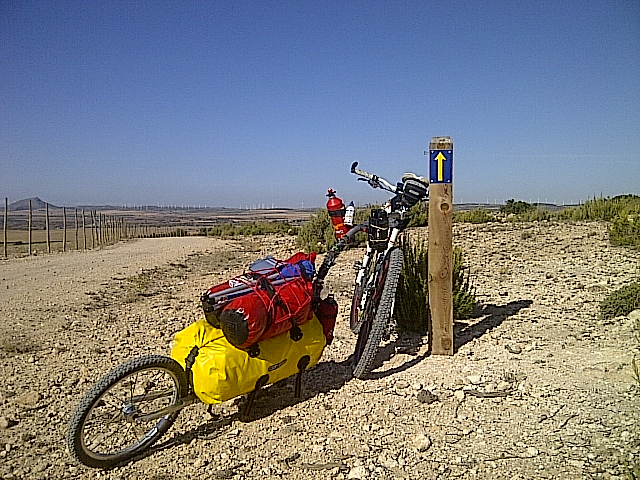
232,229
412,296
516,208
621,302
317,235
606,209
479,215
535,215
419,215
464,298
625,228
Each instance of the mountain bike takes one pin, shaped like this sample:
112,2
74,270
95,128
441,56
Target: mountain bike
377,274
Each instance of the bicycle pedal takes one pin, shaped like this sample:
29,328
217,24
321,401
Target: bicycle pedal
357,265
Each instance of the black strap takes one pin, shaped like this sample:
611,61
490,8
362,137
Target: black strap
303,363
261,382
188,364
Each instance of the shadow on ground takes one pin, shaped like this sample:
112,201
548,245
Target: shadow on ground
331,375
487,318
324,377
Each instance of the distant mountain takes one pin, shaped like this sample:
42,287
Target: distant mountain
36,204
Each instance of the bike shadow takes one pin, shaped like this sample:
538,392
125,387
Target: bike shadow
323,378
402,354
485,318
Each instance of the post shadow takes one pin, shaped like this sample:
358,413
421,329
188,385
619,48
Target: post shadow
490,316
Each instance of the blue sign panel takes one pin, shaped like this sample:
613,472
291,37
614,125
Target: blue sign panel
440,166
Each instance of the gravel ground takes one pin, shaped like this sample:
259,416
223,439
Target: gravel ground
539,386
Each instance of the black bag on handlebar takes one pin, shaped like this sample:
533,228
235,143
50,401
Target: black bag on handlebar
414,190
378,230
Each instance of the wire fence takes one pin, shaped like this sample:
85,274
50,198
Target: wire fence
31,231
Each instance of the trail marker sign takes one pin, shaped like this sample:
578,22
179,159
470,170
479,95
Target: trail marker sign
441,166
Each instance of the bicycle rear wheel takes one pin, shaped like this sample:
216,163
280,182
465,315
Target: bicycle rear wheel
121,415
377,313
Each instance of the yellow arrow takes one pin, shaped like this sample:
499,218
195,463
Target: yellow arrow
440,158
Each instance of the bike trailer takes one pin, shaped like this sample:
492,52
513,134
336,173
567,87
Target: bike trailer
221,371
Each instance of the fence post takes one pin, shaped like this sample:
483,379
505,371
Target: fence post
47,225
64,229
93,229
75,215
30,224
440,254
84,230
6,216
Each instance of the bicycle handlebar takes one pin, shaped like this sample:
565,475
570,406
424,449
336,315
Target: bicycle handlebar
374,180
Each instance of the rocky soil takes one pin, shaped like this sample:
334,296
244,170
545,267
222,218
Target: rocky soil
539,386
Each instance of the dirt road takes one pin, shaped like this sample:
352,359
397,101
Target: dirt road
539,386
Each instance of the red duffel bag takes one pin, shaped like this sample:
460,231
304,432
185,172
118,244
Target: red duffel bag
273,297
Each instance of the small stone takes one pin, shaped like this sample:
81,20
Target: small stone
422,442
515,349
224,474
502,386
532,452
402,384
28,399
40,467
7,423
359,472
458,395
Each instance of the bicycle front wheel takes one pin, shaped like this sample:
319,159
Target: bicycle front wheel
122,414
378,312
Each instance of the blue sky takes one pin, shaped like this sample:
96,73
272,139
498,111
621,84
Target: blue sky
269,102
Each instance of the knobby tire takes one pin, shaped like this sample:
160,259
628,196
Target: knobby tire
373,329
106,415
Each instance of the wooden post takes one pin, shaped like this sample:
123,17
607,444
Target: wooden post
30,224
84,230
64,229
47,225
440,245
93,229
6,216
75,215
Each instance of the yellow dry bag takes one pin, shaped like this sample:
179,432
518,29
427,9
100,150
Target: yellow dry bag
222,371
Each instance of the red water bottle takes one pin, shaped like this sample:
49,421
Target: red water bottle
336,213
327,312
